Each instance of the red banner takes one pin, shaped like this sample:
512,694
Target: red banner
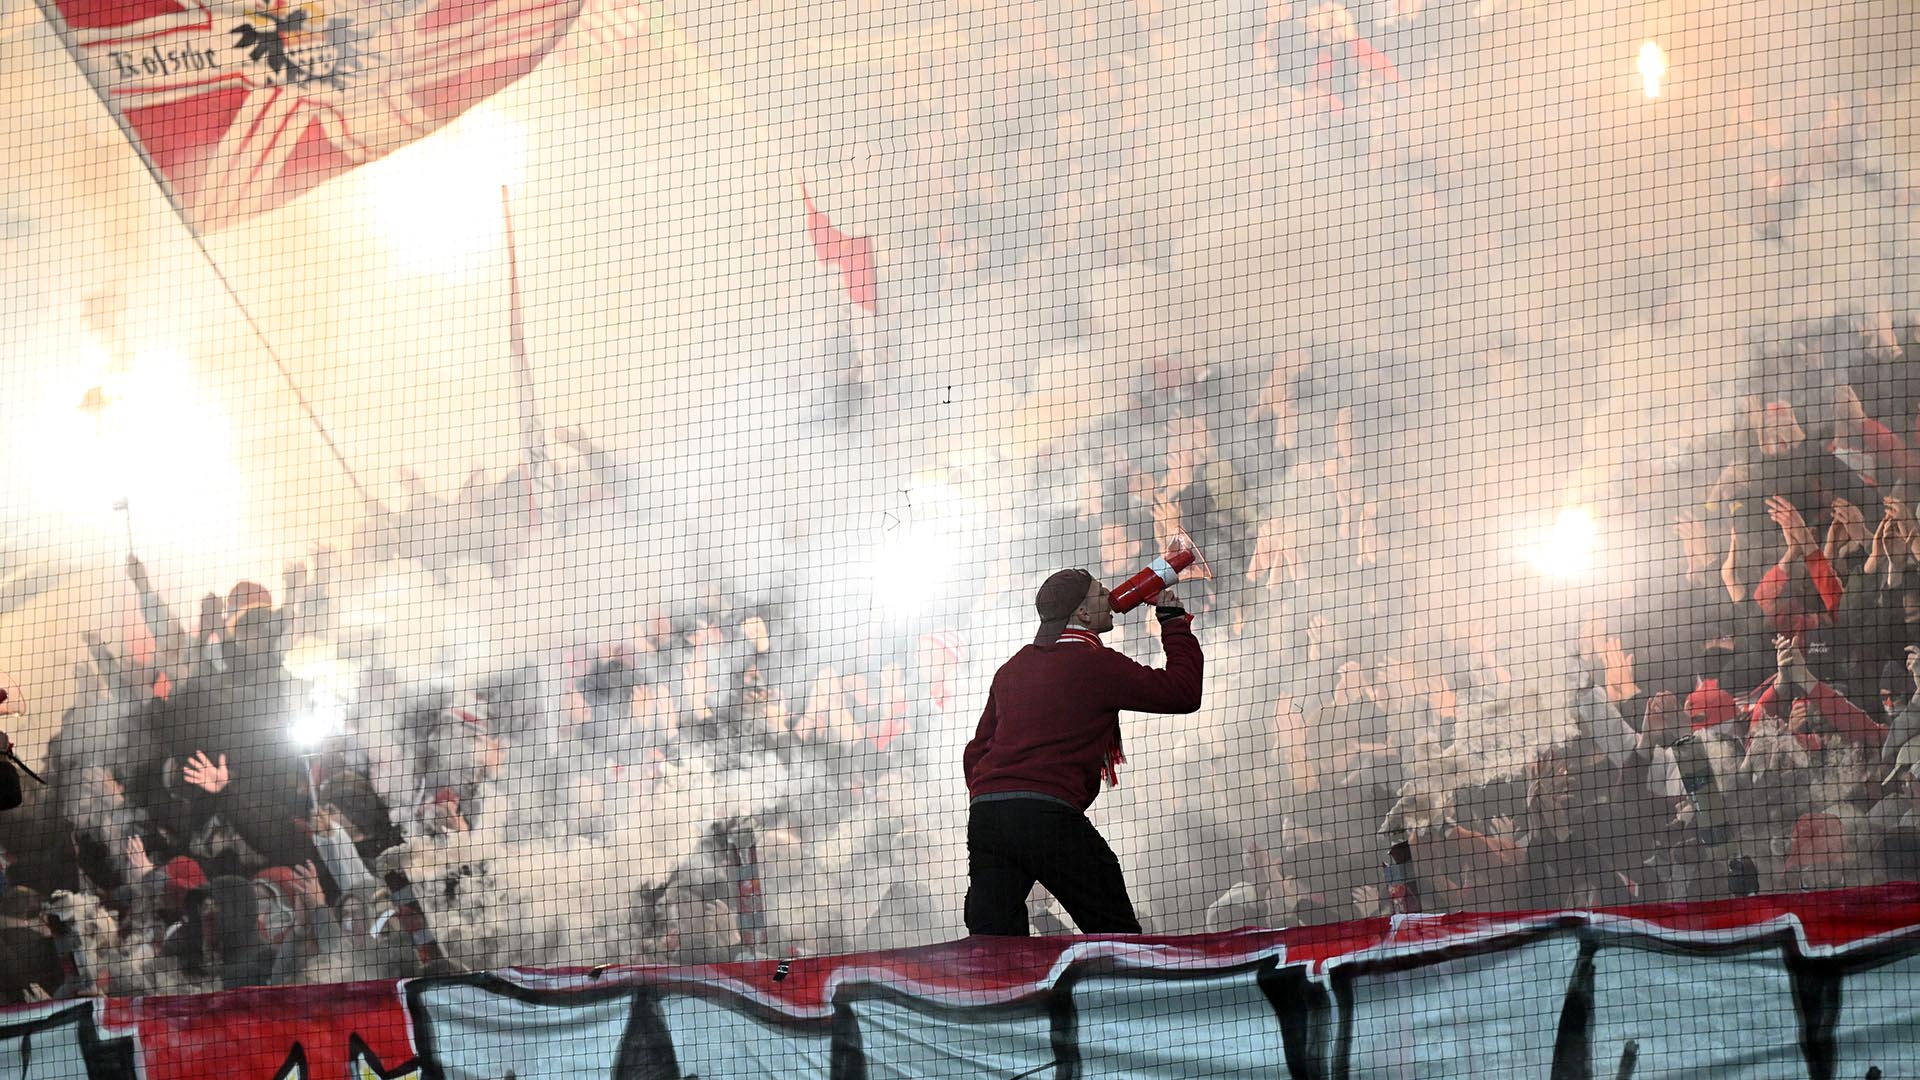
1816,985
239,108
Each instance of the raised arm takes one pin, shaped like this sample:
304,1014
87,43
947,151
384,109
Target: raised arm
1172,689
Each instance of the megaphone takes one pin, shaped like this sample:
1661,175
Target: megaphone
1182,560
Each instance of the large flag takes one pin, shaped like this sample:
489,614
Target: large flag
239,107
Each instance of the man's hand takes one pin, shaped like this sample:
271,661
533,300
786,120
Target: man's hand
1619,671
1166,598
204,774
1880,548
1779,429
322,820
1730,569
1901,531
1731,485
1848,531
1791,662
306,884
1275,561
1693,540
1664,719
137,859
1793,527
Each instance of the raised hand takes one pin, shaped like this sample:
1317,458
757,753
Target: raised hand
1848,531
204,774
1619,676
1693,540
137,859
1904,528
1664,719
1800,717
1275,560
1790,661
306,882
1793,527
1779,429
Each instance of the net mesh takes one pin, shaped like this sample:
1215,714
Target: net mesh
554,485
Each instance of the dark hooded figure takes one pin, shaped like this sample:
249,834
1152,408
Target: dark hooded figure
220,936
222,750
28,957
10,793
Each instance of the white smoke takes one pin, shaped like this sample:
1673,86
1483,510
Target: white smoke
1399,321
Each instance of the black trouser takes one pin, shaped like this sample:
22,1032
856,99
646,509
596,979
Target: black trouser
1012,843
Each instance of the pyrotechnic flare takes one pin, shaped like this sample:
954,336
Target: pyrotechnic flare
1653,67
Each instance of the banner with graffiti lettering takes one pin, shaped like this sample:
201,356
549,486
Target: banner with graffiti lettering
241,105
1817,985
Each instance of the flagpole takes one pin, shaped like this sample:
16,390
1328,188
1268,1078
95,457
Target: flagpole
280,365
532,435
65,33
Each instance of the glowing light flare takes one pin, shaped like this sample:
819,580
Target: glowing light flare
145,433
317,725
324,718
436,202
916,562
1568,548
1653,67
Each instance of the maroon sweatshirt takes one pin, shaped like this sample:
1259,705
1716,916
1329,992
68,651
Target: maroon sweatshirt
1053,715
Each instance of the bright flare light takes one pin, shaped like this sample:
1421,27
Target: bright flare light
323,720
1568,548
918,559
147,434
1653,67
437,201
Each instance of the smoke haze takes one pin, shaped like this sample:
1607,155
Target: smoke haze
1363,297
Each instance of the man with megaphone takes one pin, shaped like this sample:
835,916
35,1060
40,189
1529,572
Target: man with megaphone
1050,731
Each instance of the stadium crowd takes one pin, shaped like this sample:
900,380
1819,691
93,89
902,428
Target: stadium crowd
1754,733
682,789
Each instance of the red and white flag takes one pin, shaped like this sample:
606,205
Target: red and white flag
240,106
851,255
611,30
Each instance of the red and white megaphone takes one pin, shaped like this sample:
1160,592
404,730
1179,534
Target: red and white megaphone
1182,560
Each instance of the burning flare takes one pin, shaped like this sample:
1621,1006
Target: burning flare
1653,67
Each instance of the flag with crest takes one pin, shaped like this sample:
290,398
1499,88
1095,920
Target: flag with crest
239,107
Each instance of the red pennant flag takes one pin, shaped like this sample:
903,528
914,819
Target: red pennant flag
1344,70
851,255
241,107
940,656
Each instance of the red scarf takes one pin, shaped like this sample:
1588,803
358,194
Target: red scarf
1116,757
